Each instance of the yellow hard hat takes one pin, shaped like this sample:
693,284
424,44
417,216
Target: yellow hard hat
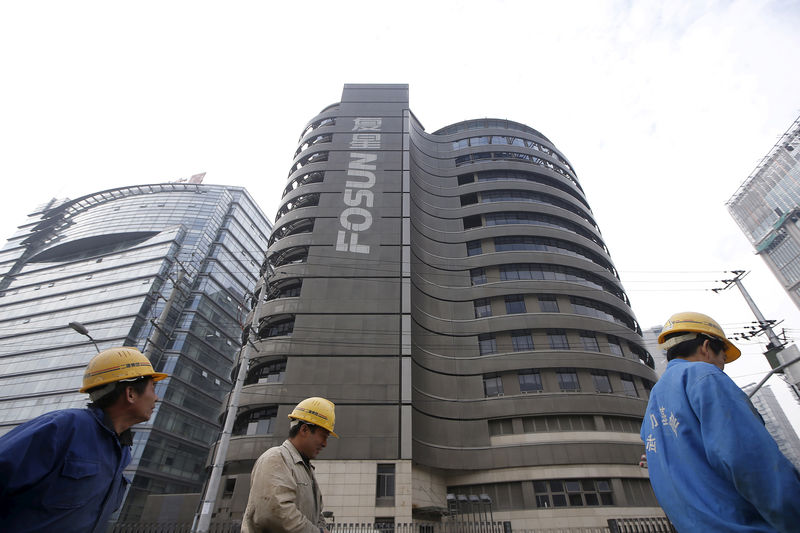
117,364
696,323
317,411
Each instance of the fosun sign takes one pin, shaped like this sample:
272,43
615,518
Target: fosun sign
358,197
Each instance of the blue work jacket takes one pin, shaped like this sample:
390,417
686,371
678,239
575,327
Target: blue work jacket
712,464
61,472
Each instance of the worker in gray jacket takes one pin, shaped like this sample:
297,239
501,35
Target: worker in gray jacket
284,494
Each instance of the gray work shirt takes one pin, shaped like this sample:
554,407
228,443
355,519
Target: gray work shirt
284,495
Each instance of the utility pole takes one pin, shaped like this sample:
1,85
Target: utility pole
202,520
765,325
775,346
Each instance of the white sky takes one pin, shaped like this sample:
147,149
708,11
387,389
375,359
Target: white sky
664,109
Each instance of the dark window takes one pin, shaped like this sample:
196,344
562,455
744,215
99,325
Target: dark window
477,276
474,248
589,341
530,381
492,385
573,493
548,304
515,303
487,344
384,492
473,222
463,179
256,422
568,380
628,385
601,381
521,340
558,339
272,372
614,345
469,199
230,485
278,329
483,307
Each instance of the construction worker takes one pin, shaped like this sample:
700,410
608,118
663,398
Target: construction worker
62,471
712,464
284,494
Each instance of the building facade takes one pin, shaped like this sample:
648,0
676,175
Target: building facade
776,422
451,292
166,268
650,336
766,207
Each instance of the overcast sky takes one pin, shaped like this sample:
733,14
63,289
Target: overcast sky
663,108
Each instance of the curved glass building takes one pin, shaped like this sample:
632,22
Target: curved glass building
452,293
166,268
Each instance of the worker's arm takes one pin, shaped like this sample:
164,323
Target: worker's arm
741,450
273,494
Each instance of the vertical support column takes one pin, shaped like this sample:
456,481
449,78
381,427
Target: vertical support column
405,295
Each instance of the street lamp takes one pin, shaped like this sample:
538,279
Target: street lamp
80,328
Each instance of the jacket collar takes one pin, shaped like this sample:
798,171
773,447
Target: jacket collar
125,438
296,456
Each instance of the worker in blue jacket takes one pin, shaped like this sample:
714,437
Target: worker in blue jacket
62,471
712,464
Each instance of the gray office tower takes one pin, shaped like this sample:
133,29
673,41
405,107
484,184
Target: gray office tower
163,267
452,294
776,422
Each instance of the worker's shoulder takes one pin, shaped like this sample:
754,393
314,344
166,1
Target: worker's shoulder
272,454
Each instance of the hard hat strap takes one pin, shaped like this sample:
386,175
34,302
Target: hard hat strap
99,392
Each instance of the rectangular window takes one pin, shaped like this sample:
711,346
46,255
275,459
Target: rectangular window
530,381
492,385
483,307
548,304
384,491
568,380
601,382
628,386
521,340
614,345
589,341
515,303
487,344
502,426
474,248
230,485
573,493
477,276
558,339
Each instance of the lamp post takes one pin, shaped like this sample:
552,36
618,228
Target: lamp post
80,328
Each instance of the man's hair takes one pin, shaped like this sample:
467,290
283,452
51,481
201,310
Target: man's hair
688,348
111,398
295,428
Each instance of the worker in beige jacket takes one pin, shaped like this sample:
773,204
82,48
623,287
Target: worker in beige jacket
284,494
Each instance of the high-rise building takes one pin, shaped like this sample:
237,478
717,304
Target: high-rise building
166,268
766,207
452,294
776,422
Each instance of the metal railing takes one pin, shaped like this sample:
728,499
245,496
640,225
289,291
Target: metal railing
617,525
227,526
